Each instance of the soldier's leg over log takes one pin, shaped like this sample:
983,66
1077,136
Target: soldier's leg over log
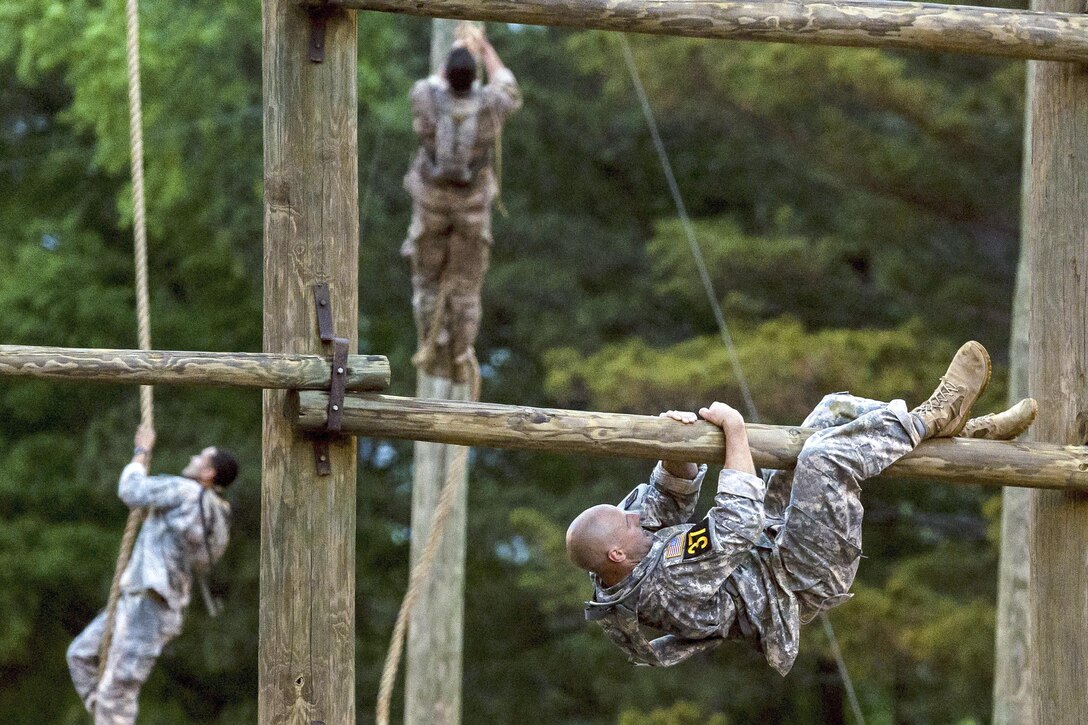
144,624
820,543
470,251
427,247
835,409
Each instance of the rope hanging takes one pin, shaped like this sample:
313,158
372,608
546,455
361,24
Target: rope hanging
455,478
723,328
143,312
455,481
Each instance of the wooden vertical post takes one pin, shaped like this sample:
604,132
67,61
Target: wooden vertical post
1012,641
306,668
1057,227
433,662
433,656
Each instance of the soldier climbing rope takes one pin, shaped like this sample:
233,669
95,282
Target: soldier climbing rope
143,306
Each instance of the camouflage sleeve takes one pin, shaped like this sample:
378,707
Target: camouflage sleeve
138,490
671,650
663,651
423,120
737,514
667,500
502,95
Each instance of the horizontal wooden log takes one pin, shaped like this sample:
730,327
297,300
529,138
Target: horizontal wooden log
217,369
954,460
859,23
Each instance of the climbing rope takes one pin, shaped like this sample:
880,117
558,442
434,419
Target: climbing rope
463,367
455,480
143,313
723,328
428,349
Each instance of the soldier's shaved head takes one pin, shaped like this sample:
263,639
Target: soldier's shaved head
594,533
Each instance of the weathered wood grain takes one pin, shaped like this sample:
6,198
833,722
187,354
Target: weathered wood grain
858,23
953,460
170,367
1057,233
311,235
433,661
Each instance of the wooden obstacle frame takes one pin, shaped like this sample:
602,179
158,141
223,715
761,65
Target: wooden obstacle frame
306,650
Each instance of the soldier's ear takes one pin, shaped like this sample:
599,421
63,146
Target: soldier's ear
616,555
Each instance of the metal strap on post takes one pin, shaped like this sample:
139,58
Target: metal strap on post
338,378
319,14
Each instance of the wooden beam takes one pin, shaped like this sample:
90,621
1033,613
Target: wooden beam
170,367
859,23
306,650
953,460
1056,228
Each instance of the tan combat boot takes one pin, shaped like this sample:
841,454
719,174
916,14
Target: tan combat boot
946,411
1003,426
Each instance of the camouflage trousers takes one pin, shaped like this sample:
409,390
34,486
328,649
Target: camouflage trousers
144,623
449,247
819,543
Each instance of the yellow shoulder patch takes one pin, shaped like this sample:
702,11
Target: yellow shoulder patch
697,540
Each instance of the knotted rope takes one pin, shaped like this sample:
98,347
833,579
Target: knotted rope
143,312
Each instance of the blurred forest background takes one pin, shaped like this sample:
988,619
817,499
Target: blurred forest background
859,211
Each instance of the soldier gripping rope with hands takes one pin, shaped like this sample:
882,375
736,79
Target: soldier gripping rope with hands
452,182
774,551
184,534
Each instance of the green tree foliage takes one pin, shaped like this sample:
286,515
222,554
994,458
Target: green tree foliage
858,213
682,713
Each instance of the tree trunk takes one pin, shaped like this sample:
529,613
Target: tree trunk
306,657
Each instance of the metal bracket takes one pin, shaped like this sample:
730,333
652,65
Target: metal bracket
335,418
323,305
337,379
319,14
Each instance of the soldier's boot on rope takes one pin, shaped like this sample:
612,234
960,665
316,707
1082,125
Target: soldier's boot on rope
1003,426
431,329
946,411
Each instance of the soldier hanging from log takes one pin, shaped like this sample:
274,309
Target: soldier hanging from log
453,184
184,534
774,550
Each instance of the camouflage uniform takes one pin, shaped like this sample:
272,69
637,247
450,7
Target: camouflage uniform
449,240
770,554
186,531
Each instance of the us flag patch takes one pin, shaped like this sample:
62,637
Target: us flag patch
675,547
